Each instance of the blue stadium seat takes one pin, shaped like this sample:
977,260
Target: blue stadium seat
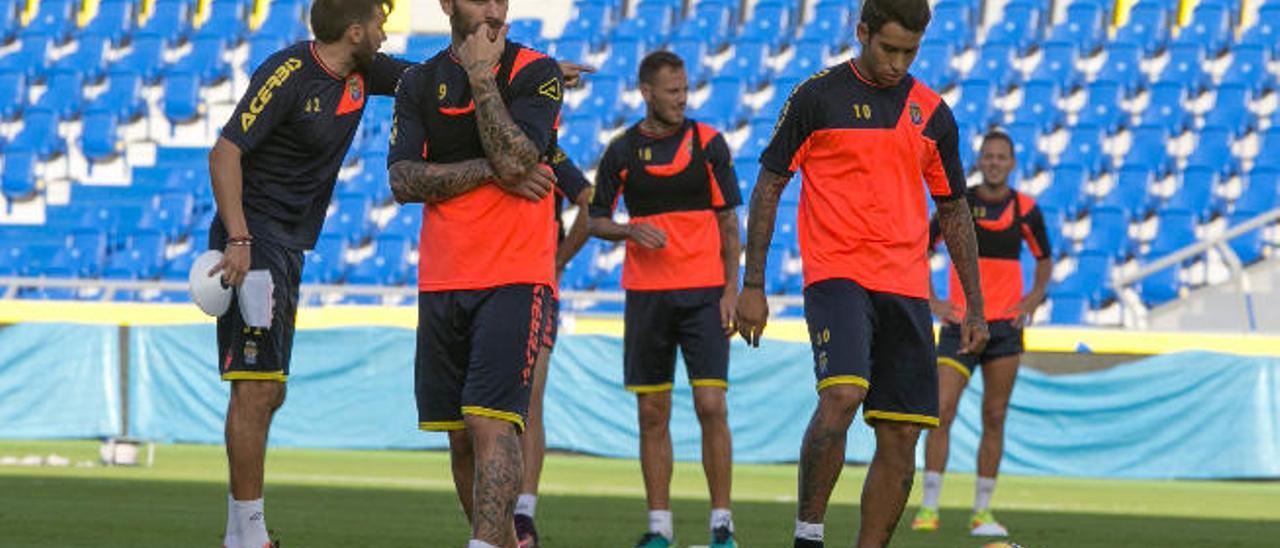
1066,192
326,263
1084,147
1186,67
1249,67
525,30
351,217
64,94
782,88
146,55
995,63
952,25
1267,148
181,97
1123,66
572,48
1160,287
831,24
1210,28
87,251
1265,31
1260,193
204,60
57,18
1149,147
1213,148
1026,149
1091,277
172,214
1176,229
590,21
114,20
693,52
13,93
1131,192
975,105
261,46
810,57
406,222
123,96
143,253
170,19
98,139
1058,64
1231,109
40,133
624,59
748,62
1248,246
580,139
1108,232
932,66
388,265
9,24
1083,26
761,130
1067,309
1195,193
18,182
723,106
32,56
425,46
1166,108
87,59
287,19
770,21
711,23
1148,26
1020,25
1103,109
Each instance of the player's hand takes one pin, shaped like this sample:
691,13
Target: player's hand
1025,311
752,314
533,187
728,309
944,310
233,266
573,73
647,235
973,334
481,50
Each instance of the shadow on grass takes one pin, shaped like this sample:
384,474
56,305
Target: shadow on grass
78,512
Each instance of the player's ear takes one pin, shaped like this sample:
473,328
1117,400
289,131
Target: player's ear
864,35
447,7
355,33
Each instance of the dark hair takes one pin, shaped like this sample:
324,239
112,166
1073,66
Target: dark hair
655,62
330,18
997,135
913,15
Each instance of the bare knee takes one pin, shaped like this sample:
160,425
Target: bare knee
710,406
993,416
840,401
654,410
898,438
460,444
262,396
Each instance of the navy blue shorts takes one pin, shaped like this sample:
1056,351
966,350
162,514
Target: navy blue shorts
246,353
656,322
551,324
880,341
1006,340
476,352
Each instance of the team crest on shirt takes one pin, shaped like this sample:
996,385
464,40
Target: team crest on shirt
917,116
354,89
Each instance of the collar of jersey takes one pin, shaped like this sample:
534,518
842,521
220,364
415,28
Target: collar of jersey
319,61
858,74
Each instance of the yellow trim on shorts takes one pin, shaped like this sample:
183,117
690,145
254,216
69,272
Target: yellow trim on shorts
710,383
843,379
477,411
955,364
649,388
277,376
925,420
442,426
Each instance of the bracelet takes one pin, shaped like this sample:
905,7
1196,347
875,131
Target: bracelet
753,285
245,241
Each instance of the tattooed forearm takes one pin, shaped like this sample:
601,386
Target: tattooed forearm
760,221
962,244
498,475
428,183
730,245
505,144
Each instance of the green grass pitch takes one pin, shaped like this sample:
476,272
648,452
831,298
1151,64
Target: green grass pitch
404,499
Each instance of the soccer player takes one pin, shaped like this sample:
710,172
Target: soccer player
471,127
1004,219
681,276
273,172
865,134
573,186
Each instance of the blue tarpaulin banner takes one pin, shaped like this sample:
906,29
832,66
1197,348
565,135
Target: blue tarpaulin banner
59,381
1186,415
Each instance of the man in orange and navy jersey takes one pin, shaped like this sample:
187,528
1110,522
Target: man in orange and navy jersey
1004,219
472,125
869,140
681,275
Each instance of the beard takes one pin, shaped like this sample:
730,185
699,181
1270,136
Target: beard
363,56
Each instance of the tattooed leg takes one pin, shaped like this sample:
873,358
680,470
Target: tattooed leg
822,454
888,482
498,470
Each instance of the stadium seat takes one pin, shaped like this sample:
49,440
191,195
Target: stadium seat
170,19
624,59
1249,246
995,64
1083,26
1185,67
932,66
143,253
1265,31
952,25
1165,108
1249,67
287,19
770,22
590,21
1020,25
1213,148
1175,230
87,59
1067,308
18,181
1195,191
325,263
711,23
723,106
1260,192
387,265
1231,109
32,57
580,139
1091,277
975,105
39,133
1058,65
1026,149
57,18
1103,108
64,95
810,57
693,51
351,216
87,251
13,93
1108,232
114,20
425,46
204,60
1210,28
1066,192
146,55
1148,146
98,139
182,97
9,24
1131,192
525,30
1123,66
748,62
1270,143
1148,26
830,24
172,214
261,46
407,222
1084,147
1160,287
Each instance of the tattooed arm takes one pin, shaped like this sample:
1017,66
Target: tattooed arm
962,244
428,183
510,151
753,308
730,254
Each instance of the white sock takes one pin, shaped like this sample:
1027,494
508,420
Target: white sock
721,517
660,522
982,494
526,504
479,544
232,536
251,522
932,489
808,531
